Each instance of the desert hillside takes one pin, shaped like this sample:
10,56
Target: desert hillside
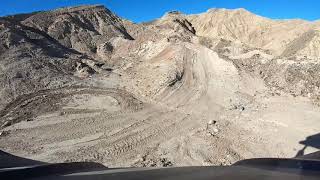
82,84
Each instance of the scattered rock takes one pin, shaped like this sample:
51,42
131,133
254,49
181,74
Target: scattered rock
4,133
242,108
151,161
212,122
165,162
215,130
5,124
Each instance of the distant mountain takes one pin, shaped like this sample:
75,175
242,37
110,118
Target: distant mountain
279,36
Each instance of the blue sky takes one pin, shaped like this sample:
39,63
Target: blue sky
145,10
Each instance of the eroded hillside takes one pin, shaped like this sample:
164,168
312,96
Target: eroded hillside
82,84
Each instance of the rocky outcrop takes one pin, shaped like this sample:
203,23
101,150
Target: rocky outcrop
81,28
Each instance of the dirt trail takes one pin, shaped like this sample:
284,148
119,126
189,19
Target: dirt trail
215,115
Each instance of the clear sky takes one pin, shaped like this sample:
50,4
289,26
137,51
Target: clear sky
145,10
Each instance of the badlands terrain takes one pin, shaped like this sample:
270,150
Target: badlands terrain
82,84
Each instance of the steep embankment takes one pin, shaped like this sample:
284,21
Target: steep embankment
51,50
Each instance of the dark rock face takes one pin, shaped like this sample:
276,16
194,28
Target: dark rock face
30,60
45,50
81,28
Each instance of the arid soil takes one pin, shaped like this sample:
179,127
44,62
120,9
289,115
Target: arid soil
81,84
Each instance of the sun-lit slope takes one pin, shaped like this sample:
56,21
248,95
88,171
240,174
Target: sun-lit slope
311,44
251,29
